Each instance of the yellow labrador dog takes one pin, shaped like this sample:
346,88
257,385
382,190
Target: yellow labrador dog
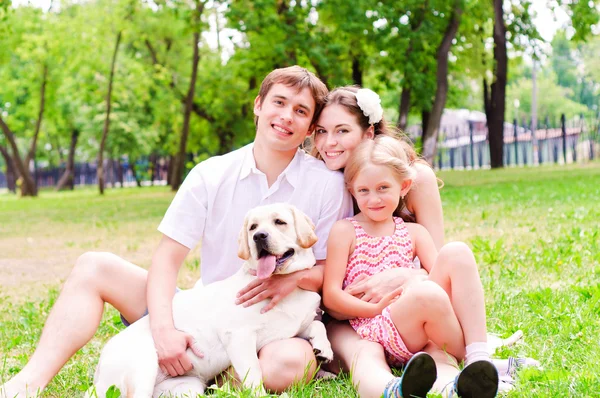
275,239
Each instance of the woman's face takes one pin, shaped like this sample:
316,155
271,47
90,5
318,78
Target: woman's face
337,133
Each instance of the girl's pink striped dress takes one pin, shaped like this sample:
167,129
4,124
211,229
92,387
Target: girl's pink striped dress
373,254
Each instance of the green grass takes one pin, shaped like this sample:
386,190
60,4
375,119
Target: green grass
534,231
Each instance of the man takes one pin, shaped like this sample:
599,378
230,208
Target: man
209,207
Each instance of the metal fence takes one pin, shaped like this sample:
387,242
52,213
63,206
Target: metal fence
117,173
461,146
561,142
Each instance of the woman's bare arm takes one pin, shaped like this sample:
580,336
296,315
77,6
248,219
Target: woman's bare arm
424,201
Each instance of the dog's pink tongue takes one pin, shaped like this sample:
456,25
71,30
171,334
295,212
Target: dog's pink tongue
266,266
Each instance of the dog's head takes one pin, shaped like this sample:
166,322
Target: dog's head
276,239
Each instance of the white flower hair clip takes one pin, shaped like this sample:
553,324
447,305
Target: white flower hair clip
370,104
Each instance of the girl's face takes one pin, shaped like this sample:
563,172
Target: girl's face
377,191
337,133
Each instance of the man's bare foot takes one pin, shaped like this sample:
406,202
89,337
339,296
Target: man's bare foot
16,389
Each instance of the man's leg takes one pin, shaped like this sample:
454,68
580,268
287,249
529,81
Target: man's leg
96,278
285,362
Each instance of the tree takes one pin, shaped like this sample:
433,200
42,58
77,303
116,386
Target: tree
100,169
495,101
180,162
430,133
30,56
129,11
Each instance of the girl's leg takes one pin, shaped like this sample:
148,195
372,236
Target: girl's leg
364,360
424,313
455,270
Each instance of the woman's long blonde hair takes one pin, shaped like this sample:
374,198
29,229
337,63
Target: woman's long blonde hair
385,151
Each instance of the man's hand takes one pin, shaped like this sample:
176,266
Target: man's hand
276,287
171,345
373,288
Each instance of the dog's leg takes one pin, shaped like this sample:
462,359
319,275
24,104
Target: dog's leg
316,334
180,386
241,350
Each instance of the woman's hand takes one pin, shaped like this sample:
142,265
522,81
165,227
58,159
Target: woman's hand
373,288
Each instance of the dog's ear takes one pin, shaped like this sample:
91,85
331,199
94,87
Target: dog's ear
243,247
305,229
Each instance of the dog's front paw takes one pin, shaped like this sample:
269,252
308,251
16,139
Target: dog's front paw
325,354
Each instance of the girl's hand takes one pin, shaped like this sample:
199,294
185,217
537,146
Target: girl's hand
388,299
372,288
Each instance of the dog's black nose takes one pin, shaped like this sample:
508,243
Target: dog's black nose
260,236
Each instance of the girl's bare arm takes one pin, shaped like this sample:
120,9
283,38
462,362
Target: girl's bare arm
341,239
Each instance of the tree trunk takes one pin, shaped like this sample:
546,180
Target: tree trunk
28,185
170,169
404,108
430,135
100,171
134,172
424,125
153,165
357,73
416,24
11,175
66,181
320,73
196,108
496,108
225,138
119,172
32,149
180,161
111,172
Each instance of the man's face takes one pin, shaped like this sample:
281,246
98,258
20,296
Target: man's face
284,117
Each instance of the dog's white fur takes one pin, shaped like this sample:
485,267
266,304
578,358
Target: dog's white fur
227,334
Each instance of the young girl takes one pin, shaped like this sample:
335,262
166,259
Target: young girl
378,175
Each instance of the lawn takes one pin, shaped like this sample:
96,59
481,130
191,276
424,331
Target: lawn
534,231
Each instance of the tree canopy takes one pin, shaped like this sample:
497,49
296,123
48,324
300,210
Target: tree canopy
108,79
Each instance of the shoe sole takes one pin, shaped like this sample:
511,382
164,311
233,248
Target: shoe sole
419,375
478,380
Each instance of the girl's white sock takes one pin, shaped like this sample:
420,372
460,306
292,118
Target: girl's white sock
477,352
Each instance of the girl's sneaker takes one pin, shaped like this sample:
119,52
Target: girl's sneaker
477,380
419,375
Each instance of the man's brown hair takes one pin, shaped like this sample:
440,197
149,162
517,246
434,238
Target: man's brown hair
297,77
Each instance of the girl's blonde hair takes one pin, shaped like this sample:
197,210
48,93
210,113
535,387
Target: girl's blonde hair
385,151
346,97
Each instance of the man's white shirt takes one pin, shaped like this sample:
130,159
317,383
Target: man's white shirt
212,202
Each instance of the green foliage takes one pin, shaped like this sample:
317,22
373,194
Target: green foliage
390,45
552,101
113,392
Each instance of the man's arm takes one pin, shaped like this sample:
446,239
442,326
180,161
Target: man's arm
170,343
312,279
